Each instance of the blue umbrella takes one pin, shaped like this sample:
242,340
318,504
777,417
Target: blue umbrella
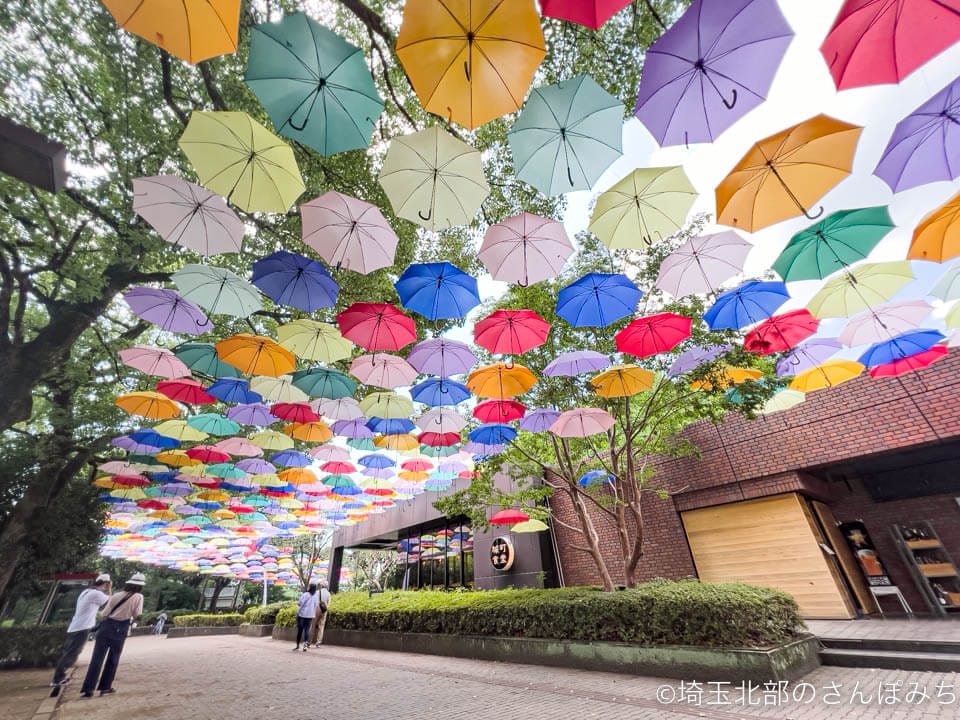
375,461
597,299
595,477
233,390
391,426
291,458
168,476
152,437
437,290
439,391
295,280
750,303
901,346
493,434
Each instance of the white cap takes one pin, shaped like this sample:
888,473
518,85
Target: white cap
137,579
103,577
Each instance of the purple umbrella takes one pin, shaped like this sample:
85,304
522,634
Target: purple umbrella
352,428
442,357
130,445
255,466
539,420
296,281
379,473
691,358
168,310
925,145
483,449
576,362
713,65
808,355
251,414
702,264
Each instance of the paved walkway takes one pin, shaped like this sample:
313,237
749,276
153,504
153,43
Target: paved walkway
22,692
230,677
915,629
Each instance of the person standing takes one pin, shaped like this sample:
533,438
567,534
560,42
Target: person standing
320,619
306,611
121,609
84,618
158,625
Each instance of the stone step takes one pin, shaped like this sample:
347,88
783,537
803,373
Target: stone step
891,659
915,645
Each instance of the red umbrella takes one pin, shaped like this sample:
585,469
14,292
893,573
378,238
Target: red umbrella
152,505
511,332
376,326
131,480
294,412
207,454
417,465
338,467
499,411
654,334
590,13
912,362
508,517
439,439
781,332
186,390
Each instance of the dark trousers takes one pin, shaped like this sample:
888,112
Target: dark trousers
109,644
72,647
303,629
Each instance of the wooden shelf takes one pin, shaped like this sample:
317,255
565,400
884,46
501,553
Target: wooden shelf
943,569
922,544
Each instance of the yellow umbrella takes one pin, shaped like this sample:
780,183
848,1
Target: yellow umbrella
500,381
271,440
162,515
179,430
148,404
532,525
400,443
785,174
622,381
193,30
413,475
255,355
177,458
386,405
728,377
314,432
470,61
783,400
952,318
223,515
937,237
106,482
133,494
859,288
313,340
829,374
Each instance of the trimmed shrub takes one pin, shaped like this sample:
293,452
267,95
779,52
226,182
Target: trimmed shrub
209,620
31,646
150,618
287,615
662,612
263,615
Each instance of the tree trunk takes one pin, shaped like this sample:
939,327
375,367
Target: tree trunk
590,534
632,558
218,586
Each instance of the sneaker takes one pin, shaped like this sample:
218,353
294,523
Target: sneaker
86,694
304,648
296,648
108,691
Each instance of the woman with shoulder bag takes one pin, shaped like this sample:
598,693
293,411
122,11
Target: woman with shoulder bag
119,611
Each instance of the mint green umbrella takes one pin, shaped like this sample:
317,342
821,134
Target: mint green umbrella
203,358
213,424
218,290
321,382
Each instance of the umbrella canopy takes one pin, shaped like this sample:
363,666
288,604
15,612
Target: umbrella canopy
398,443
511,332
314,84
874,43
376,326
590,13
702,264
271,440
783,400
750,303
575,362
910,363
296,281
597,299
947,286
242,160
148,404
539,420
217,290
647,205
937,237
900,347
807,356
313,340
386,405
582,422
383,370
781,332
234,390
240,446
654,334
437,290
352,429
493,434
278,389
180,430
213,423
192,30
567,135
154,361
499,410
251,414
168,310
727,376
859,288
622,381
884,321
829,374
471,61
694,357
710,68
443,357
500,381
525,249
186,390
508,517
344,408
315,431
784,175
203,358
433,179
321,382
441,420
256,355
187,214
348,233
439,391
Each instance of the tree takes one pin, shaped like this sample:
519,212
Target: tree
372,568
308,551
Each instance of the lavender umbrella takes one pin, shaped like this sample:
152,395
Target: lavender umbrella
256,466
482,449
379,473
352,428
130,445
692,357
540,420
703,263
808,355
251,414
442,357
577,362
168,310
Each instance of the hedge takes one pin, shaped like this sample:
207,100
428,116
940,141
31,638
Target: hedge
209,620
662,612
150,618
287,615
263,615
31,646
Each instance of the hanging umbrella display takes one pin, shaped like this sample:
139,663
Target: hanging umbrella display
314,85
508,517
472,61
441,420
710,68
294,412
567,135
596,477
525,249
242,447
900,347
884,321
242,160
234,390
493,434
442,357
188,215
860,287
433,179
499,411
654,334
622,381
213,424
694,357
148,404
251,414
647,205
702,264
907,364
217,290
540,420
383,370
784,175
352,429
168,310
180,430
278,389
576,362
344,408
947,286
781,332
315,431
582,422
397,443
783,400
386,405
597,299
390,426
511,332
437,290
937,237
313,340
830,374
438,391
186,390
750,303
589,13
808,355
321,382
256,355
500,381
154,361
376,326
348,233
296,281
727,377
202,358
271,440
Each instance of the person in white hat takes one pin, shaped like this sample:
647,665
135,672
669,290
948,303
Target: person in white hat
121,609
84,618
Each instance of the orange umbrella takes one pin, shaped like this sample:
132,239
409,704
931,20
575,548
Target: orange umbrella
500,381
177,458
316,432
400,443
728,377
470,61
622,381
786,174
829,374
256,355
193,30
937,237
298,476
148,404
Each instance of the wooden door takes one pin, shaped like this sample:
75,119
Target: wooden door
848,563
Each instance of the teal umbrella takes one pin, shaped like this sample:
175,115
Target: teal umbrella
838,240
218,290
314,84
566,136
213,424
202,358
363,444
320,382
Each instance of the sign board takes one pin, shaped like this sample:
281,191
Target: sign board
501,554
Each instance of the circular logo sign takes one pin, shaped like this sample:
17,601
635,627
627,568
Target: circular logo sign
501,554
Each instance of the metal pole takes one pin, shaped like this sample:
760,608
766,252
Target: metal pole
264,590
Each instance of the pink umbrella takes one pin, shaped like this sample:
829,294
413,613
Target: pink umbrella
441,420
525,249
582,422
702,264
239,446
348,233
154,361
884,321
511,332
329,452
383,370
345,408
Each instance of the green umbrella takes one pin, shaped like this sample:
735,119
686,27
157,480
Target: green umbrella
217,290
314,84
225,471
859,288
835,242
362,444
203,358
322,382
214,424
947,286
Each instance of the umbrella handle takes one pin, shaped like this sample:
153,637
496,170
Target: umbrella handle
425,217
466,70
815,216
729,105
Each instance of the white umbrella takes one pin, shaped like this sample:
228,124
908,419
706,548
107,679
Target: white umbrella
525,249
702,264
884,321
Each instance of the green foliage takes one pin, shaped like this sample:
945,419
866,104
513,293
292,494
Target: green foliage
150,618
264,615
287,616
34,646
209,620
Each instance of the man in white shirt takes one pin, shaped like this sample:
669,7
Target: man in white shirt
84,618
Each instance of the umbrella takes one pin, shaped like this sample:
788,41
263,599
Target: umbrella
213,423
397,443
241,446
470,61
781,332
947,286
500,381
783,400
386,405
376,326
782,176
937,237
702,264
538,420
295,280
383,370
217,290
433,179
807,356
234,390
511,332
203,358
924,145
277,389
313,340
154,361
186,390
315,431
597,299
882,322
180,430
348,233
858,288
437,290
443,357
438,391
710,68
692,358
192,30
525,249
256,355
390,426
321,382
653,334
590,13
596,477
830,374
314,85
441,420
750,303
873,43
648,204
727,376
567,135
900,347
493,434
582,422
622,381
168,310
499,410
293,458
508,517
271,440
376,460
344,408
912,362
187,214
152,437
148,404
242,160
576,362
294,412
352,428
833,243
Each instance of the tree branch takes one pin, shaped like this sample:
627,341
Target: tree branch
372,20
210,84
167,80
